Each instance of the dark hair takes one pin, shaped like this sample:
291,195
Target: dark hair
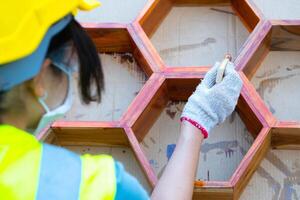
90,68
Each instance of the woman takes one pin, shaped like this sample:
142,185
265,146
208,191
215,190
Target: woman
40,44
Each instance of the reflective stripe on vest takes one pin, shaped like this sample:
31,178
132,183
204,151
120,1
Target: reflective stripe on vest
29,170
60,174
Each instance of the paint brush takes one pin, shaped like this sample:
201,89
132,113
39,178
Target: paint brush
199,183
222,68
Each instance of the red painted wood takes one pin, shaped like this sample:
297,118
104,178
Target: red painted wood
286,135
287,124
144,11
185,72
257,105
87,25
265,132
148,47
217,184
143,98
91,124
252,44
255,9
144,46
289,22
143,161
109,37
248,16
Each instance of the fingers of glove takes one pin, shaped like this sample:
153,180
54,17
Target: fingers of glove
231,81
224,102
210,77
229,68
226,93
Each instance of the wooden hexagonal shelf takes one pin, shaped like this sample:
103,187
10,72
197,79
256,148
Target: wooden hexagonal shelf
181,30
102,138
164,84
273,68
162,98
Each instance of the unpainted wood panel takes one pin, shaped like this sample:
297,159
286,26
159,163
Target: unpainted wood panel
123,80
199,35
277,177
113,11
279,9
277,82
226,145
121,154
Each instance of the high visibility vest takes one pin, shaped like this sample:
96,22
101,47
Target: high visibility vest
32,170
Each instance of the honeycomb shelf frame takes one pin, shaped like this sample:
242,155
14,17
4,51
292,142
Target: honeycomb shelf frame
285,133
133,37
155,12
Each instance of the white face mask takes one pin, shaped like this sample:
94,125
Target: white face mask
51,115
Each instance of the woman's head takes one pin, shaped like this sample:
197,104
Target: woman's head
21,105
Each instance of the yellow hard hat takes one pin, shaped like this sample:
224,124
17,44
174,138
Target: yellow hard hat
23,23
26,29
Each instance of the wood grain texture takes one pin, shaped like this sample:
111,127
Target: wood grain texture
286,135
214,193
157,10
286,37
89,133
151,112
249,117
247,12
109,38
255,49
142,100
144,163
251,44
180,89
145,48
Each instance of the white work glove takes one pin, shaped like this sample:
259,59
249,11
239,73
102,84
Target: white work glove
211,103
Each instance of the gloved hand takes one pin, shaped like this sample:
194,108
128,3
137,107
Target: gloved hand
211,103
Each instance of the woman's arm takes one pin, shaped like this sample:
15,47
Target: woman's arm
208,106
177,182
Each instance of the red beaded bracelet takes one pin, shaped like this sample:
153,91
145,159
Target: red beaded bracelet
197,125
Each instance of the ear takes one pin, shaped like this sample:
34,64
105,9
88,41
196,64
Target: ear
36,84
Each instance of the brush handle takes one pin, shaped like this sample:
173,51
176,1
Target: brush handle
221,69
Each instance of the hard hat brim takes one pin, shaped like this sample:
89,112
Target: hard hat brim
16,72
